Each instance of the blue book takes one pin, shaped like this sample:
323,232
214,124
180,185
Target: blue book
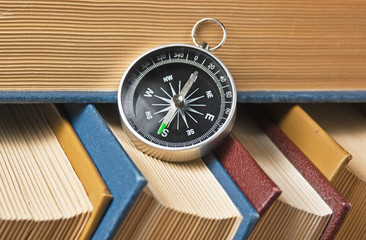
123,179
250,215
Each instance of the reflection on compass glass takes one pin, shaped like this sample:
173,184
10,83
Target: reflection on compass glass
177,96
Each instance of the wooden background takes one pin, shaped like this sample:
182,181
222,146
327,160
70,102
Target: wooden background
271,45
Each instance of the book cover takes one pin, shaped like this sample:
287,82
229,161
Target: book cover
121,176
249,213
247,174
339,205
84,167
278,51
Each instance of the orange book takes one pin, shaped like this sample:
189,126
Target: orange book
84,167
42,196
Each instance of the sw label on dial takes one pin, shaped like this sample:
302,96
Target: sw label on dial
177,96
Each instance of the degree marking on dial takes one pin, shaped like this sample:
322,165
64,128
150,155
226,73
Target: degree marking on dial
225,86
216,72
204,61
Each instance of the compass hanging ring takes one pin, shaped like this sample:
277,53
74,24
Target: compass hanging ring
204,44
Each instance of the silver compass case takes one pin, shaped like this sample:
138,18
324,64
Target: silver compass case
127,101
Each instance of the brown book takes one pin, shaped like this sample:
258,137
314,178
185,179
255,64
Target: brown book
339,205
340,127
273,45
299,212
247,174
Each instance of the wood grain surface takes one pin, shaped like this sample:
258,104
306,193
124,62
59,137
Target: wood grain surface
271,45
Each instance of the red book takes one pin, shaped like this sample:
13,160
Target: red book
246,173
339,205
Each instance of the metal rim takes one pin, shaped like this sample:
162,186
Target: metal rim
212,20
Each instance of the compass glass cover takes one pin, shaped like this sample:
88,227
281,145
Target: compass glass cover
151,83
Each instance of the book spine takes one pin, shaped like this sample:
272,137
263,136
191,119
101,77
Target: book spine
247,174
123,179
58,97
250,215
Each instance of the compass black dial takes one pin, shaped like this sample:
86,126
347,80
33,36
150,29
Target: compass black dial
177,96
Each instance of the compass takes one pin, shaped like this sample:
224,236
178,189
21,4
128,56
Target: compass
177,102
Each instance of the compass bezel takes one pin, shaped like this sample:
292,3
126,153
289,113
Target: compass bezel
178,154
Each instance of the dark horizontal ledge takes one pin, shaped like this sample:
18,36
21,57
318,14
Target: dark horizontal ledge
243,97
301,96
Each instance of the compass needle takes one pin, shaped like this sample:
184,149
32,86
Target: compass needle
189,84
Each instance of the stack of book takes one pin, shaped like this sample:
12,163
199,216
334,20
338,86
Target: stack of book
286,171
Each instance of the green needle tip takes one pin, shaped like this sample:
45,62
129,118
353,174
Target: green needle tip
162,127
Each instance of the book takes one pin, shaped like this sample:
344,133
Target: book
240,200
299,212
339,205
343,127
42,196
181,200
84,167
120,174
69,51
320,148
247,174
